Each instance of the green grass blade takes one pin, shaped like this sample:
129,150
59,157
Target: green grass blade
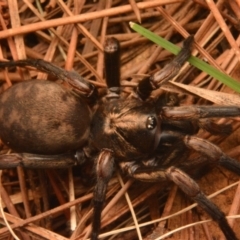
203,66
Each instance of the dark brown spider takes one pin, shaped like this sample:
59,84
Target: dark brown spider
51,126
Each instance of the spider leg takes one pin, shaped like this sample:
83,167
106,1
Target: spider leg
81,86
112,63
191,188
104,171
29,160
172,69
196,112
148,84
216,129
187,185
214,153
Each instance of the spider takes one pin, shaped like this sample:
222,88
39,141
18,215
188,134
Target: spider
151,140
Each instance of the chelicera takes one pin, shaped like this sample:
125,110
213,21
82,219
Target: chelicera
150,140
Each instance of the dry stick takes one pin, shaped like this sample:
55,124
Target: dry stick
6,77
12,47
94,29
206,230
39,13
44,190
82,59
143,66
238,2
127,197
159,230
51,4
50,53
74,40
208,34
54,44
110,204
22,182
154,55
183,12
18,40
82,18
168,206
198,80
34,189
33,53
132,17
224,27
11,208
185,34
230,60
138,200
2,212
36,230
204,35
189,218
10,43
81,28
51,174
100,61
135,10
235,8
234,208
47,214
73,217
183,234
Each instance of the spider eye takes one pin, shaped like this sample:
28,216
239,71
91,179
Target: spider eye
151,122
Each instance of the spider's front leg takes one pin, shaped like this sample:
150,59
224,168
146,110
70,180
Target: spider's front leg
148,84
80,85
104,165
104,170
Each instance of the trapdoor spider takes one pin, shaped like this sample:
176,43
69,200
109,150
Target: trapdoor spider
51,126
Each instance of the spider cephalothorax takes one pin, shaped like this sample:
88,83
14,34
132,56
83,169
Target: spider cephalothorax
114,126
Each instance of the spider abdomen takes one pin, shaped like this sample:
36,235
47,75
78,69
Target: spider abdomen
43,117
